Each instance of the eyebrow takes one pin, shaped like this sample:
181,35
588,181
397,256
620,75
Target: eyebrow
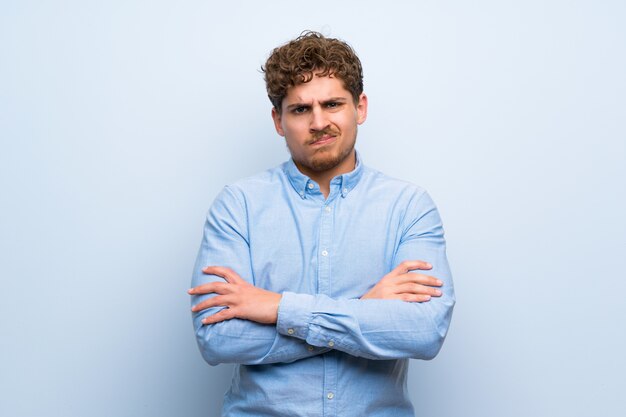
330,100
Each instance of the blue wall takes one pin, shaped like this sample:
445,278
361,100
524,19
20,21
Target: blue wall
120,121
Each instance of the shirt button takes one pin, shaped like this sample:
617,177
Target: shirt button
331,343
290,331
310,186
324,253
330,395
310,348
327,209
345,191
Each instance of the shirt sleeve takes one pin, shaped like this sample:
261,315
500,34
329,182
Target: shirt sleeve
225,243
382,329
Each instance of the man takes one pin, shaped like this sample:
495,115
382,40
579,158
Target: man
308,276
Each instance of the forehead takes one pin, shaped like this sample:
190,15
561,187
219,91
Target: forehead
318,89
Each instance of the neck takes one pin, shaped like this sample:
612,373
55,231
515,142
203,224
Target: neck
323,178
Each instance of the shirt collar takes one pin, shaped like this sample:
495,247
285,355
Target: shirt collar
303,184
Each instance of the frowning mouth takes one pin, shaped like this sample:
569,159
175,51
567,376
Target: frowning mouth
324,140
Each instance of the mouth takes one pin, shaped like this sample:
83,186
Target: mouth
324,140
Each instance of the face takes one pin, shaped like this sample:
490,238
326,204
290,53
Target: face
319,121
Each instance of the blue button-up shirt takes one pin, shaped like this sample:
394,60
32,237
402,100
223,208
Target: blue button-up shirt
330,353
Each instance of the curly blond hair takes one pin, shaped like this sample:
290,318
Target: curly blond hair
311,54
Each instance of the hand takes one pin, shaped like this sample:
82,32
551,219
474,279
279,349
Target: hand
400,284
242,299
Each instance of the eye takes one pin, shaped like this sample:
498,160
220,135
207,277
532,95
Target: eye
333,105
299,110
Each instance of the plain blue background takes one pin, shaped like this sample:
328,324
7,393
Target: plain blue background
120,121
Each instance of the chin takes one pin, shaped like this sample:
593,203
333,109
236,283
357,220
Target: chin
327,162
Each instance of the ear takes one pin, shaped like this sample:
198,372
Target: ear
361,109
277,122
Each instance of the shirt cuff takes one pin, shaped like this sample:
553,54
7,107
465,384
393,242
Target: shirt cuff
294,314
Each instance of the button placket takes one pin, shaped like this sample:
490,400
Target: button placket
330,383
325,245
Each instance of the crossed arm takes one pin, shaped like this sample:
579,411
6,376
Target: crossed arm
405,314
245,301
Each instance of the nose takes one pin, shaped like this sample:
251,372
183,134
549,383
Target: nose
318,119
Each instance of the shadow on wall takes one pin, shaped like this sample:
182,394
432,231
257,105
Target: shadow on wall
213,383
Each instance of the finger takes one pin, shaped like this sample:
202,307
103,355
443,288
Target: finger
407,266
210,287
414,298
221,271
419,279
413,288
218,301
221,315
